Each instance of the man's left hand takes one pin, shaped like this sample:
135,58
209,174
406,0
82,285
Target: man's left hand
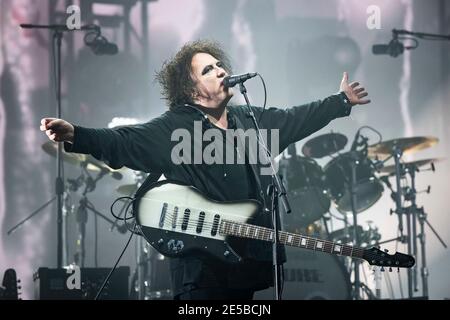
354,93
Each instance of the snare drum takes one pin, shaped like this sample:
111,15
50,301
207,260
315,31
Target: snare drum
338,174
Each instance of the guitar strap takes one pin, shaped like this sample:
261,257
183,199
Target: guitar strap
151,179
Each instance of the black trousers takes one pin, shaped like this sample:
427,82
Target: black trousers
216,294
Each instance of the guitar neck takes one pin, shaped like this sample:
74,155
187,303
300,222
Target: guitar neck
244,230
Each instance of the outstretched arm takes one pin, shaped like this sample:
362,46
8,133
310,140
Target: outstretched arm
298,122
145,147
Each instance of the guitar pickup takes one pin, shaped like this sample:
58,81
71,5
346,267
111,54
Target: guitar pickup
215,225
185,222
163,215
201,220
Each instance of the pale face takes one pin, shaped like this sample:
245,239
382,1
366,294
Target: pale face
208,74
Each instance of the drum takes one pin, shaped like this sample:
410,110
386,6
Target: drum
310,275
338,174
368,237
307,191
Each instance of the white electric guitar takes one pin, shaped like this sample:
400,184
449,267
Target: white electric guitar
178,220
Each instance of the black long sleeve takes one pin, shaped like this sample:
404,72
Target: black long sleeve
298,122
145,147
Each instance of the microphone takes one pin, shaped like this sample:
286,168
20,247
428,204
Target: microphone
231,81
116,175
100,46
394,48
355,141
122,228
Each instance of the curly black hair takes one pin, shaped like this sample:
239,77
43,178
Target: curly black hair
177,85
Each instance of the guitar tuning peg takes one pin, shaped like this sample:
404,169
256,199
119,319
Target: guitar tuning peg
18,281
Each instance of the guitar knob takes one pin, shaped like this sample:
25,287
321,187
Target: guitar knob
390,269
398,269
386,250
382,269
226,253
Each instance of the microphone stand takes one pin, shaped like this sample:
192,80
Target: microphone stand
276,190
59,181
354,155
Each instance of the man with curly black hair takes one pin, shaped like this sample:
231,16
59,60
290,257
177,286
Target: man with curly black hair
192,83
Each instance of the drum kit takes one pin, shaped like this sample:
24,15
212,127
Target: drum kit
353,181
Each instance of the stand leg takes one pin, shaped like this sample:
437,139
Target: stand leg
356,284
424,269
410,240
414,247
141,260
81,220
17,226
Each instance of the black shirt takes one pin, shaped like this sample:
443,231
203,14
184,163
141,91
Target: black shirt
148,147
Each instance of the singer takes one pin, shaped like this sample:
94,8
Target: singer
193,84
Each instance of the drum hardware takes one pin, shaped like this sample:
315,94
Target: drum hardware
88,165
412,213
84,207
369,236
355,158
140,282
406,166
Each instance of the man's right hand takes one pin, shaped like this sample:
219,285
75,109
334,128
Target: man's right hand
57,129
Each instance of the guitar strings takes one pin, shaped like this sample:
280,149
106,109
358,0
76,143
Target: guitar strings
192,225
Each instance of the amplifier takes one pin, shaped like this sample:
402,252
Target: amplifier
61,284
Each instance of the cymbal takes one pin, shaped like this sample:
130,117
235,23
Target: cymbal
418,163
407,145
76,159
127,189
92,164
324,145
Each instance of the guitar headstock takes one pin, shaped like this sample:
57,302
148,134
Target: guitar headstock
376,257
10,288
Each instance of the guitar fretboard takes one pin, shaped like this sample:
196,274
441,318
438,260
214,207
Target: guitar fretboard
243,230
